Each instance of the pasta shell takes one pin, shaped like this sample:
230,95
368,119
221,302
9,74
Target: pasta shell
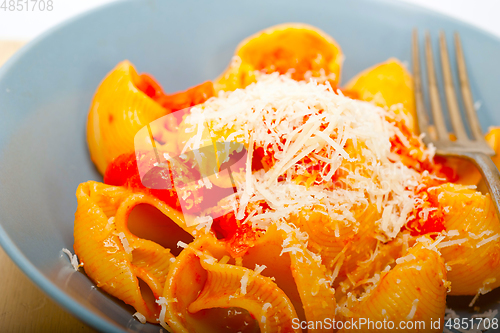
119,109
296,272
233,286
302,49
185,282
474,253
122,264
155,223
314,288
329,237
362,276
201,279
105,260
151,259
413,291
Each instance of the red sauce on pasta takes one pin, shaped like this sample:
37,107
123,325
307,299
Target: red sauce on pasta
176,101
123,171
239,237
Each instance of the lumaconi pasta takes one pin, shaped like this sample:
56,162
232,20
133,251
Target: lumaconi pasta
397,297
339,212
304,49
105,241
124,103
473,234
386,85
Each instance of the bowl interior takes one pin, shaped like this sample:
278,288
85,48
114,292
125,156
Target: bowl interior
46,90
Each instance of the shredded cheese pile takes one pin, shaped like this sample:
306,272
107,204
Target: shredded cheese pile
305,125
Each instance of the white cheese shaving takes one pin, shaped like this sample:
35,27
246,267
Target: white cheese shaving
413,309
407,258
491,313
450,314
339,262
265,307
244,283
487,240
481,235
73,259
479,326
140,317
452,242
182,244
483,290
162,301
125,243
259,268
436,243
210,260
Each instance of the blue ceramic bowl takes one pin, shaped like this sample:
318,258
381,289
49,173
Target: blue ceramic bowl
46,89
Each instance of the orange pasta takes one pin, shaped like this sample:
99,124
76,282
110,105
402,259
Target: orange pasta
283,203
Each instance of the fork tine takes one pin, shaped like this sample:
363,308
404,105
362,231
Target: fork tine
449,88
437,111
422,117
466,93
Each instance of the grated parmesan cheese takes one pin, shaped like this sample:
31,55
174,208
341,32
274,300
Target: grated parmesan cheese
490,314
210,260
482,290
413,309
265,307
162,302
487,240
259,268
450,314
125,243
140,317
481,235
73,259
487,314
297,121
452,242
244,283
182,244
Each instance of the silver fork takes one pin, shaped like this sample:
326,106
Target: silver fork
474,148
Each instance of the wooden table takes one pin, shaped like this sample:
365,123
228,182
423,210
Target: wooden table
24,307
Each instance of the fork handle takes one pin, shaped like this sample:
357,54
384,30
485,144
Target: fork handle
491,174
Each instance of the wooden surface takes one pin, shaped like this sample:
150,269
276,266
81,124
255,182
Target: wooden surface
23,307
